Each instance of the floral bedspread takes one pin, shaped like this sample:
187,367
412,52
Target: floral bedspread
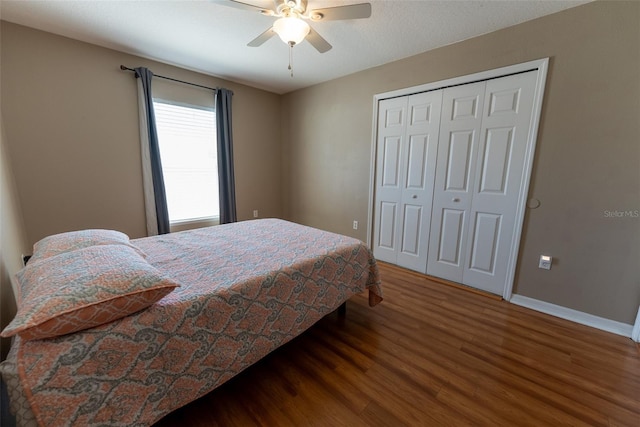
246,289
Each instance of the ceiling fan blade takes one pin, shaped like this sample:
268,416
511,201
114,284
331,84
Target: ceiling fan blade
317,41
353,11
258,41
244,6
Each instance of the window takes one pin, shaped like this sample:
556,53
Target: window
187,139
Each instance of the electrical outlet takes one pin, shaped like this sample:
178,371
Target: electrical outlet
255,213
355,225
545,262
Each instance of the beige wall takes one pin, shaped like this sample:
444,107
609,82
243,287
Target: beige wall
587,159
71,120
13,240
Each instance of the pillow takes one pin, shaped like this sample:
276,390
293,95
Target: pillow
84,288
73,240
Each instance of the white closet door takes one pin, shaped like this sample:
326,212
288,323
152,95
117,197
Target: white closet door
392,120
406,159
478,157
419,161
506,123
460,126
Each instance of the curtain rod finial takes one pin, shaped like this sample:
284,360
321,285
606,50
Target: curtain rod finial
123,68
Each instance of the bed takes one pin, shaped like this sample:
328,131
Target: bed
240,291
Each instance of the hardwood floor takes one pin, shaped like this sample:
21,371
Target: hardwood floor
433,355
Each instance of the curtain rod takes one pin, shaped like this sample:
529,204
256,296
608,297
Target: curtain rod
122,67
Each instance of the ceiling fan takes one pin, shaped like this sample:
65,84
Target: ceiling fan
291,24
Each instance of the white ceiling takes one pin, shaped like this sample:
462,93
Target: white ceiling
211,38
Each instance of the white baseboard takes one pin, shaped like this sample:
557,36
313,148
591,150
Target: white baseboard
608,325
635,334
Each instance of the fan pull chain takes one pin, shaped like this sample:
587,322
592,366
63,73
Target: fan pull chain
291,58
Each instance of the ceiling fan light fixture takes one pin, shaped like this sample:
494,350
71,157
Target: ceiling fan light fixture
291,29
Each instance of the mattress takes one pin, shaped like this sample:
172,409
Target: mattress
245,289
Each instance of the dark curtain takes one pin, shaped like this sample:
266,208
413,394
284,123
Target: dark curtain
226,181
160,196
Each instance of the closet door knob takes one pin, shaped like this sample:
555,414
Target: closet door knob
415,196
455,199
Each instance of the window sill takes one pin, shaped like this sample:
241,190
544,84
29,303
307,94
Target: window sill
194,223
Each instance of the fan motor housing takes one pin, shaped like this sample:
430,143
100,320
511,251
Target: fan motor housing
299,6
